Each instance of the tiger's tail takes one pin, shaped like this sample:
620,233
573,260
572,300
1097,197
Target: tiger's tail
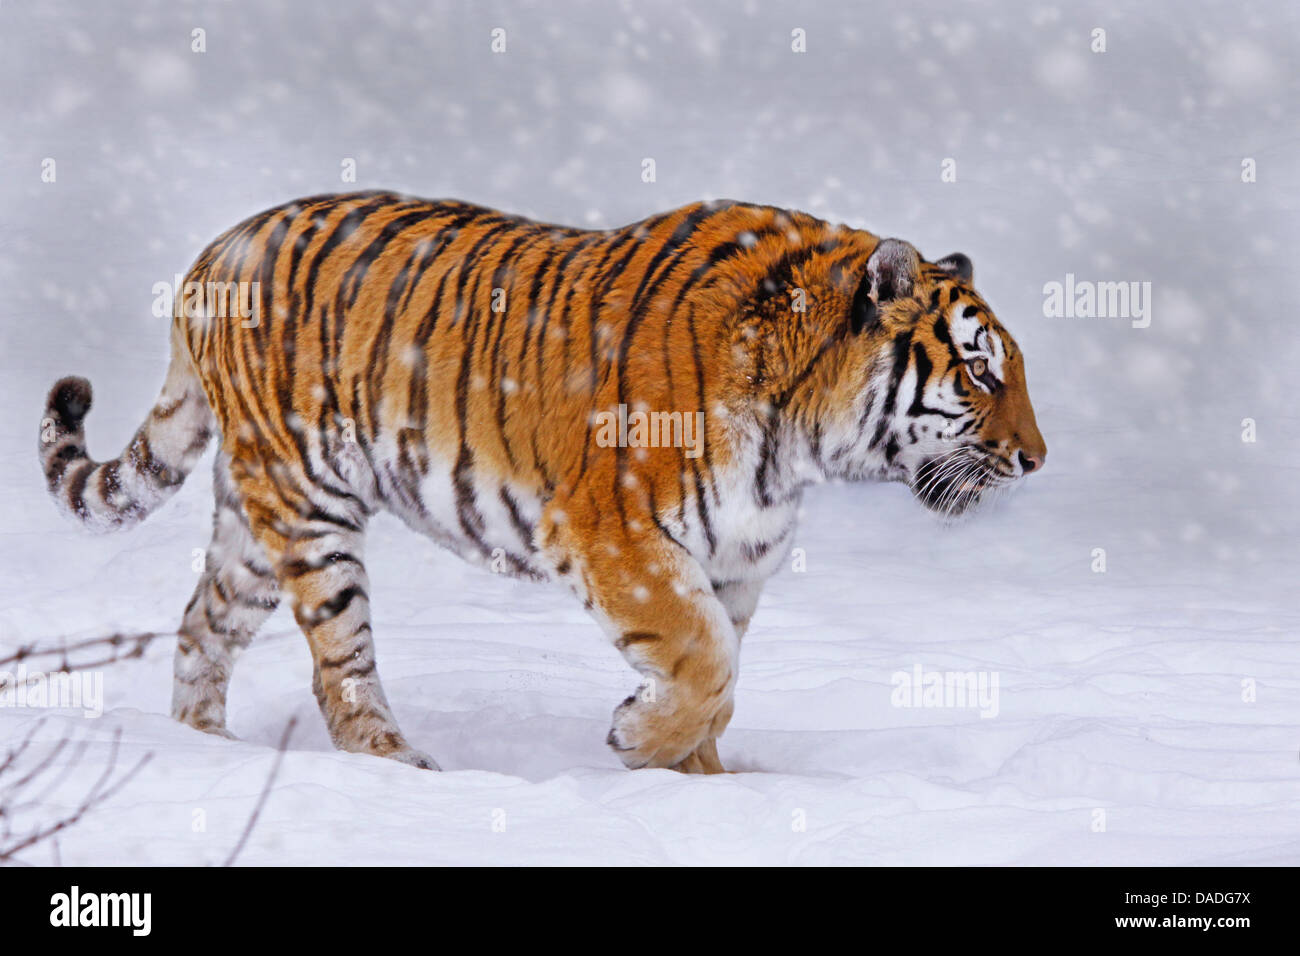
120,493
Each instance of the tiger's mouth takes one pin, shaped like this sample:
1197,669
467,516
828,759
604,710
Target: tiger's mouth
952,484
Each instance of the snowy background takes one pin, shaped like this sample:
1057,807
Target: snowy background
1126,691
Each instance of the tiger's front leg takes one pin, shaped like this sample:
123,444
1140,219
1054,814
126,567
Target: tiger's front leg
656,603
739,598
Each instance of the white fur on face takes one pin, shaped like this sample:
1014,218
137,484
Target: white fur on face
974,340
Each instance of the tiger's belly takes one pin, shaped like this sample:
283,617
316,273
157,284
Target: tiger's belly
475,514
727,528
753,539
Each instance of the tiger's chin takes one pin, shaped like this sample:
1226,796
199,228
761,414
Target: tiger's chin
956,486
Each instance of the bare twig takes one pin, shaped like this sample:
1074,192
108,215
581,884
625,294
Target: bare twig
102,790
14,753
121,647
266,791
13,800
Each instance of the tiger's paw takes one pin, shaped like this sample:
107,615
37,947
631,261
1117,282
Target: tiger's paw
383,740
652,734
703,759
416,758
213,729
202,713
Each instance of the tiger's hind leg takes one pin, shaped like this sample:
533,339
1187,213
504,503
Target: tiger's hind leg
236,593
314,537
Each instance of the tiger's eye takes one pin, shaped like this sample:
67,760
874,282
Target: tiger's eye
978,367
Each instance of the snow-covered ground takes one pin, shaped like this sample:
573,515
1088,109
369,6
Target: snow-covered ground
1147,713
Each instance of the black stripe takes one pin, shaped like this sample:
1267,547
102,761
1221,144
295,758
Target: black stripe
495,366
531,312
923,369
336,605
77,488
419,395
300,567
57,464
702,508
766,459
606,277
902,346
522,528
697,360
504,270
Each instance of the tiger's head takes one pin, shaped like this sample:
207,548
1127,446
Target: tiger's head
934,386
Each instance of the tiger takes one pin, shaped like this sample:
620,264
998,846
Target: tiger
458,367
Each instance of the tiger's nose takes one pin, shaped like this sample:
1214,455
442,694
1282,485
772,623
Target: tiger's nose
1031,462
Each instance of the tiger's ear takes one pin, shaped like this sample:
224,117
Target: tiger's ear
891,272
958,264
